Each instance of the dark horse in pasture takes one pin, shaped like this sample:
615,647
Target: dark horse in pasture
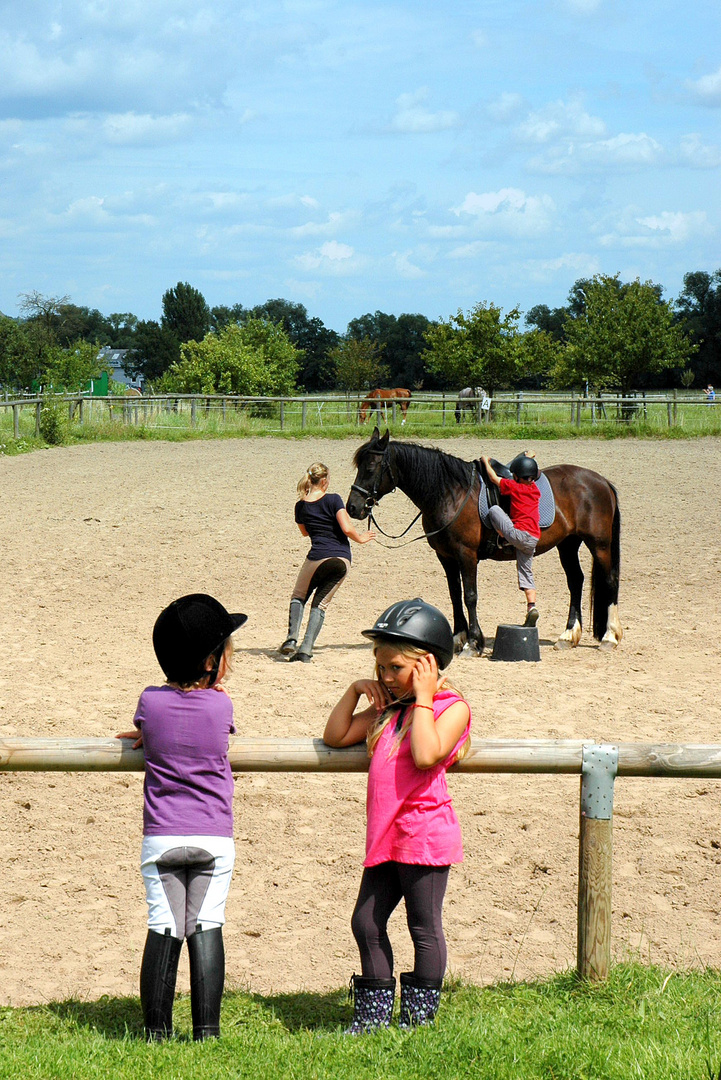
377,398
445,489
470,399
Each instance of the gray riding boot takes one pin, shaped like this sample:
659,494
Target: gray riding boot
295,618
315,625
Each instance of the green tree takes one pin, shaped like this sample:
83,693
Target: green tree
699,312
551,321
403,341
625,335
71,368
477,349
185,313
18,361
253,358
358,365
154,349
309,335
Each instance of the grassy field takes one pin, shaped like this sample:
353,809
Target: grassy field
537,420
643,1023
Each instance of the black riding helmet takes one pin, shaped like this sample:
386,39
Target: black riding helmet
524,467
420,624
190,630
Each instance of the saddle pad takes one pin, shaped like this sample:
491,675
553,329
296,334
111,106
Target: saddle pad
546,506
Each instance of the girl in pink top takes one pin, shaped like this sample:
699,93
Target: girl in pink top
416,726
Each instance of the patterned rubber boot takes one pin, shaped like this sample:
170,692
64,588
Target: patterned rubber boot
315,625
372,1004
295,618
420,999
158,972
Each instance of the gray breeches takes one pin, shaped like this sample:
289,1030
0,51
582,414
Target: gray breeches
523,542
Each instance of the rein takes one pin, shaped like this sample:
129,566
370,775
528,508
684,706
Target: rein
372,500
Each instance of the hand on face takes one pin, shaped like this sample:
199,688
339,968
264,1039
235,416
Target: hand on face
426,680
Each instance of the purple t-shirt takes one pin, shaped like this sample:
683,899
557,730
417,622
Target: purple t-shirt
328,541
188,782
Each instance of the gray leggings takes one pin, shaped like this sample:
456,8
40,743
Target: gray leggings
523,542
381,890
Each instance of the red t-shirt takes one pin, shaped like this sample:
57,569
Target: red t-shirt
524,505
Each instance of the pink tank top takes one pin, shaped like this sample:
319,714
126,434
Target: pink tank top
410,817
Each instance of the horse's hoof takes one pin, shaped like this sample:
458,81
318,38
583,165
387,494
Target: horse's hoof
563,643
471,649
608,645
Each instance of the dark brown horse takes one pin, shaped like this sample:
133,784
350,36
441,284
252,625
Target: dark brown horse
376,398
445,489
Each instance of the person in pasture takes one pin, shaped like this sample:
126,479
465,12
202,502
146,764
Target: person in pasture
188,852
321,516
415,726
521,528
710,394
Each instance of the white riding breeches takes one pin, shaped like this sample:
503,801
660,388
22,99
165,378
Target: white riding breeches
187,879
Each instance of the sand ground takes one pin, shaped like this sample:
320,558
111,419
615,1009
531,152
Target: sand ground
97,539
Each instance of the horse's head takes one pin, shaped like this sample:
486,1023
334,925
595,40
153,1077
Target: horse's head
374,477
363,411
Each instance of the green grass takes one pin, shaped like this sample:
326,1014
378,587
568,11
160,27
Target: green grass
643,1023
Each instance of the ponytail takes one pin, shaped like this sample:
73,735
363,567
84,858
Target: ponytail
312,476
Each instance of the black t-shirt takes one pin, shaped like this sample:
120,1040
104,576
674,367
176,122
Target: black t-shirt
328,540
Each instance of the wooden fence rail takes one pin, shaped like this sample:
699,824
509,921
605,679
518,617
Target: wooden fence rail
294,409
597,764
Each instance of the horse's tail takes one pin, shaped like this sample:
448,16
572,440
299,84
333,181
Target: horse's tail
604,585
458,412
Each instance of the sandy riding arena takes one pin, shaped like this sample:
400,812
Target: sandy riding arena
95,540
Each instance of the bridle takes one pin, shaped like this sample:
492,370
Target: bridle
372,499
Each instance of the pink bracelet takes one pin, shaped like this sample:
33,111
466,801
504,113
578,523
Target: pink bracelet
416,705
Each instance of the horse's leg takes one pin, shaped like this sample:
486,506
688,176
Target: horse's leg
453,577
604,588
469,576
568,554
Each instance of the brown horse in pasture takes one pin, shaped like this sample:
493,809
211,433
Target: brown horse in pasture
376,398
446,490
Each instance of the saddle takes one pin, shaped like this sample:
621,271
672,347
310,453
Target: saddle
490,495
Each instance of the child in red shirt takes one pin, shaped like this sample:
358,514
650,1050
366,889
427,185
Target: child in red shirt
521,528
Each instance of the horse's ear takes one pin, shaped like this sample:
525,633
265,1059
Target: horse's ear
384,441
376,433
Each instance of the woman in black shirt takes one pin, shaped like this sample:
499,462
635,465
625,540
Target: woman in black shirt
321,516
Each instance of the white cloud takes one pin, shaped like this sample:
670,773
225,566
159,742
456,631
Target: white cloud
572,264
331,258
698,154
413,118
624,149
708,88
508,211
134,129
404,267
656,230
331,225
582,7
560,119
505,107
479,38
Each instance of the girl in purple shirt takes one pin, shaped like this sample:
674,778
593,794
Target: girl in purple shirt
188,852
416,726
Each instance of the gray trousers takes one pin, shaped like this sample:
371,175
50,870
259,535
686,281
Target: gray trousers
523,542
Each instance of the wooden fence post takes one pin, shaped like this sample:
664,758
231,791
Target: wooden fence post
282,414
669,410
595,850
675,406
303,414
16,421
38,410
443,424
519,403
193,412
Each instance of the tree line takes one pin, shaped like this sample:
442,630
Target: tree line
610,335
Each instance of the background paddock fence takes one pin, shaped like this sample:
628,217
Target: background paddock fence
598,765
20,416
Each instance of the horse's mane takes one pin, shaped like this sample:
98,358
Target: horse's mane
434,469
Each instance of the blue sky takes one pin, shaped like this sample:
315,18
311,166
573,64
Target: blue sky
413,156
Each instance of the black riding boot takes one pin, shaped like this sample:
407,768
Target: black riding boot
295,618
207,977
315,625
157,983
372,1004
